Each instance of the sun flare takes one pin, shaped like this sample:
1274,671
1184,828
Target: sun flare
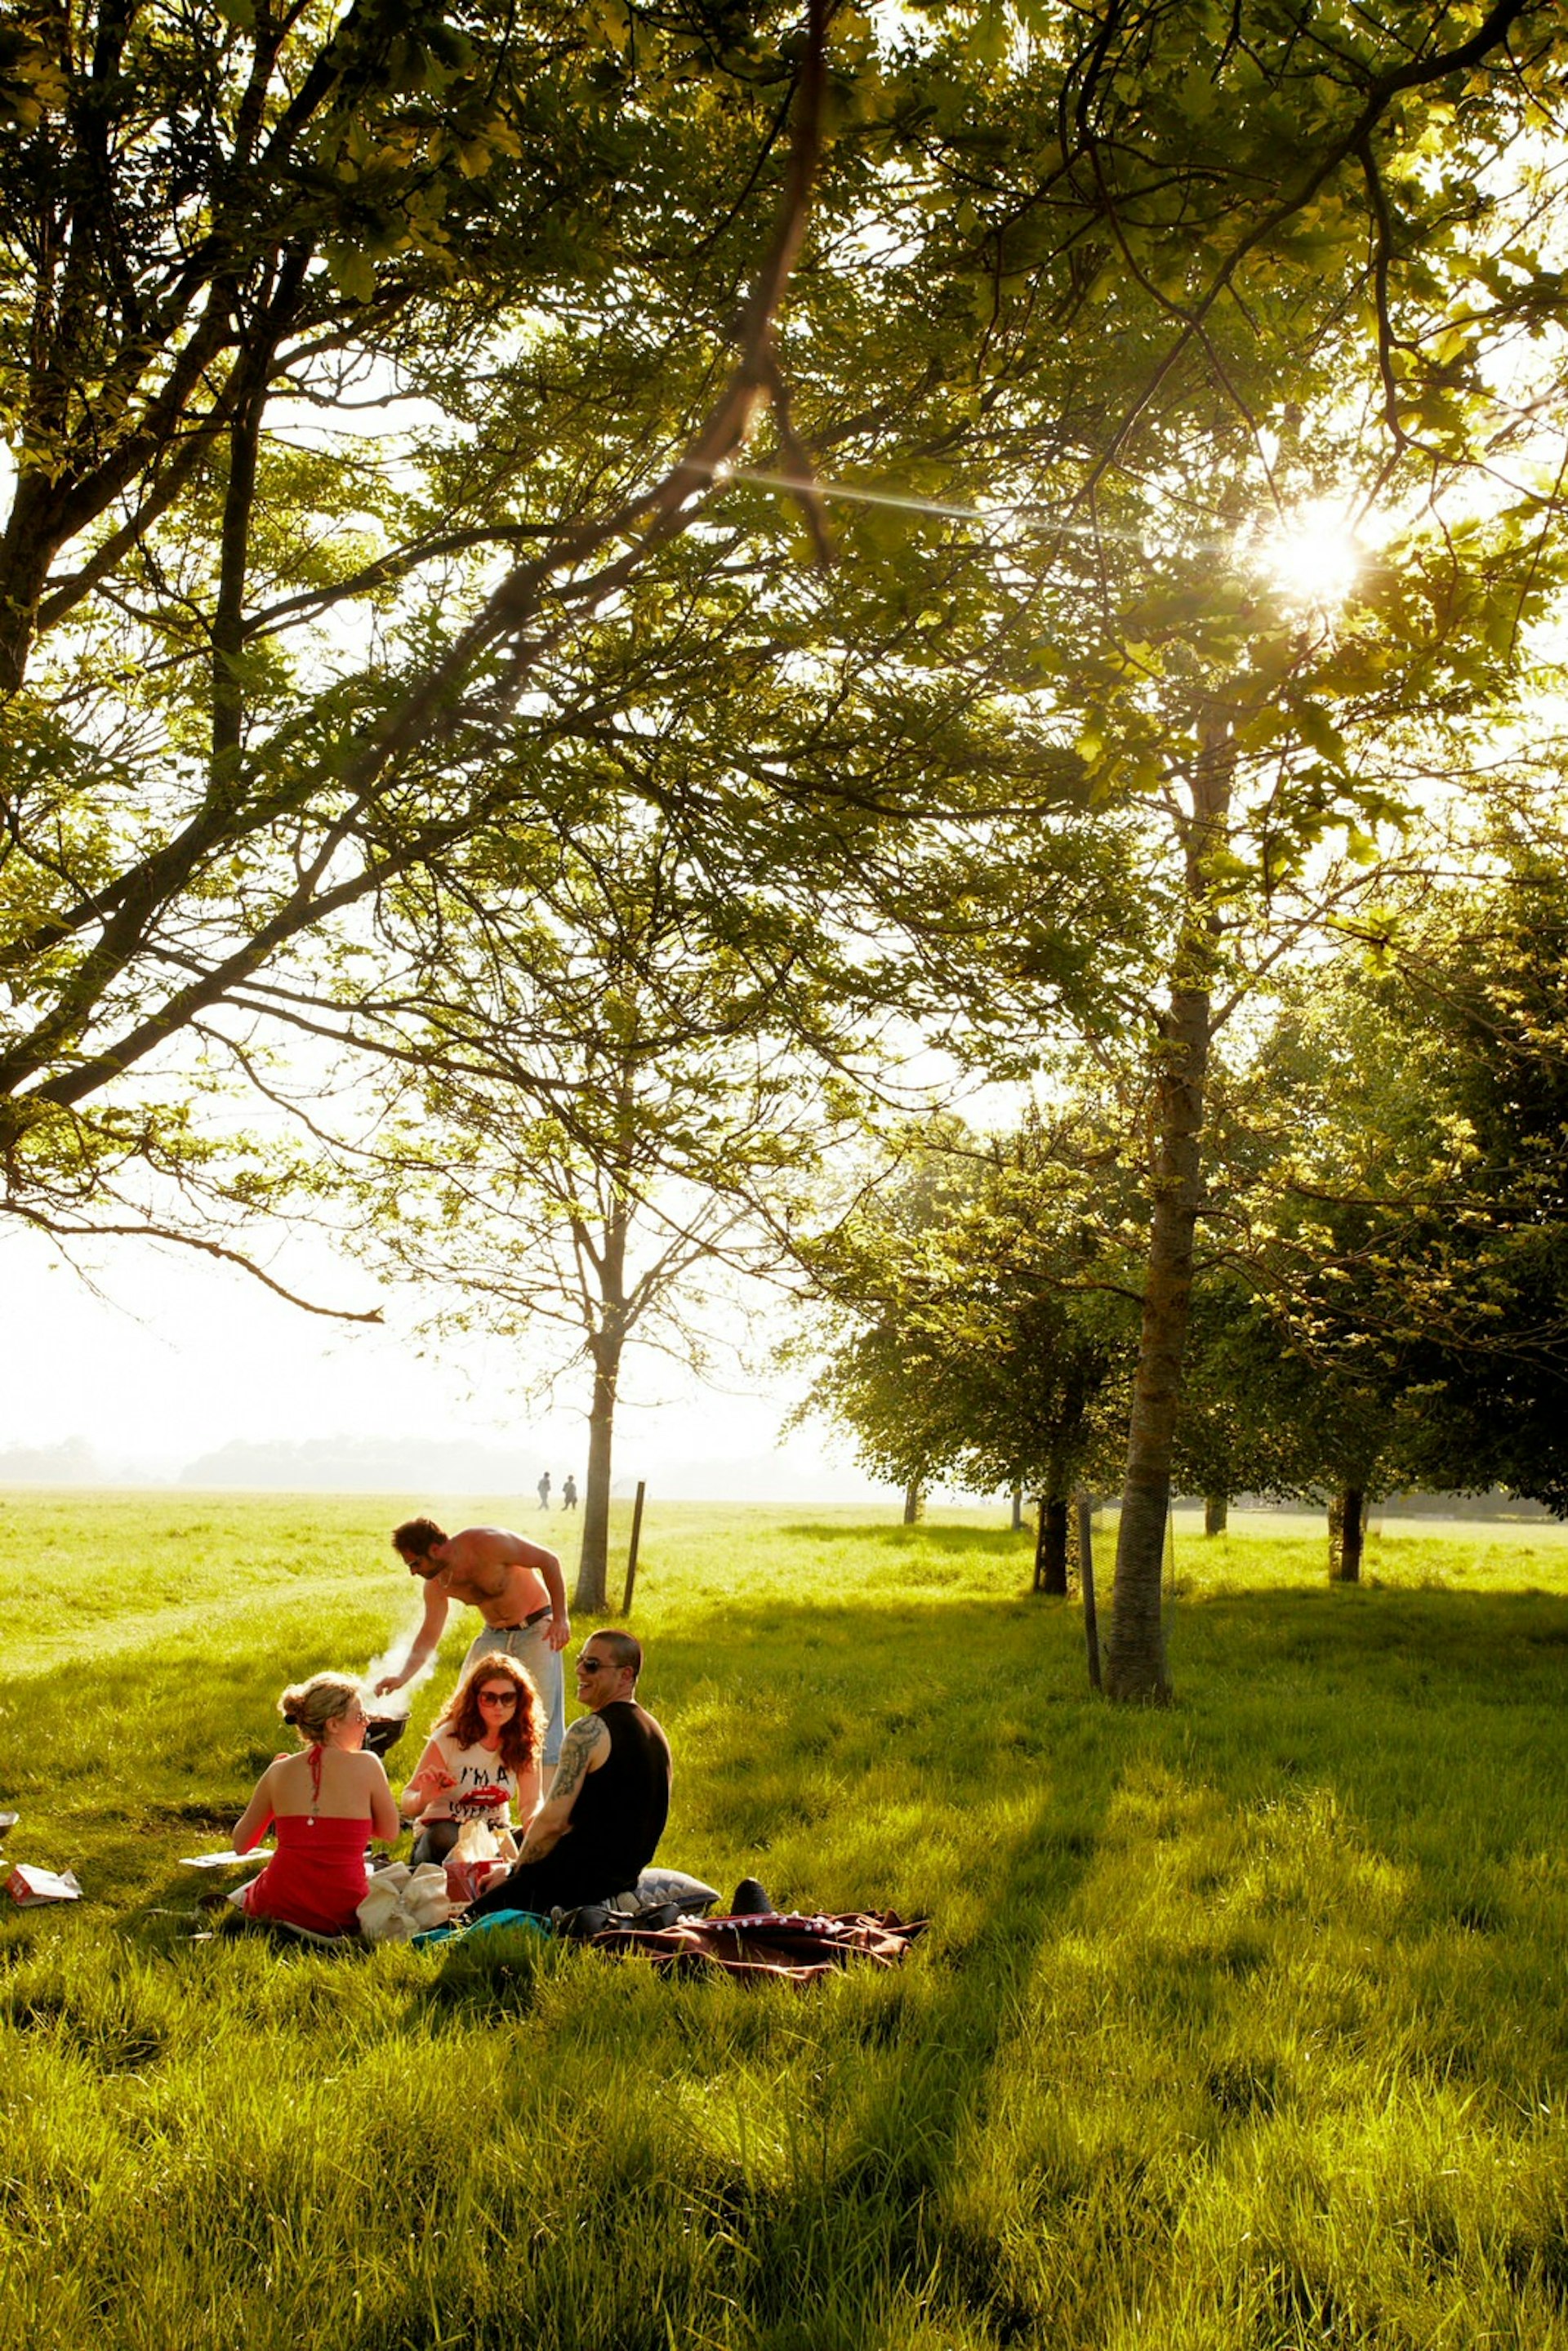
1312,556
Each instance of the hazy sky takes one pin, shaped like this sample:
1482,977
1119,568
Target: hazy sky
179,1355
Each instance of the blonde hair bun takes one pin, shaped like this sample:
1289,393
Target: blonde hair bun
311,1707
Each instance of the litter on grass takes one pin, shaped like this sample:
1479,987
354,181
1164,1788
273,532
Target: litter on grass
29,1884
224,1860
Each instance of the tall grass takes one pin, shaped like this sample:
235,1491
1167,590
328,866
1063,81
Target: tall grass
1241,2024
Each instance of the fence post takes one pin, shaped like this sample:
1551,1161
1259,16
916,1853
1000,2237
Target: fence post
1086,1579
631,1548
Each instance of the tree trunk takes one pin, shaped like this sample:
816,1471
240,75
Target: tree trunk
606,1320
1215,1513
914,1503
592,1593
605,1345
27,551
228,615
1347,1528
1051,1547
1135,1651
1018,1509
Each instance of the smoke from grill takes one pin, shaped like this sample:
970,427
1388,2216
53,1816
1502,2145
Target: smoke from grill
386,1716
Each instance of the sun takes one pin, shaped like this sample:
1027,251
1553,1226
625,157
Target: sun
1312,556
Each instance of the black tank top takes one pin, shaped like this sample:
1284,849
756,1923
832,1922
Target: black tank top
621,1807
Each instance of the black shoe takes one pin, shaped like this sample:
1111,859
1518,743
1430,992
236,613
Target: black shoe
750,1899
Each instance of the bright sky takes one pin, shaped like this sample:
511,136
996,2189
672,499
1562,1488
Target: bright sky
178,1356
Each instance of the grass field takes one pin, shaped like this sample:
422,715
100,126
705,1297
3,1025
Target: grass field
1241,2024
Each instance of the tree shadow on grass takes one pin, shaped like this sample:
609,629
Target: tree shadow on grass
824,2243
981,1541
1392,1713
1498,1648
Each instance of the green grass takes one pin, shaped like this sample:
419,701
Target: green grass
1241,2024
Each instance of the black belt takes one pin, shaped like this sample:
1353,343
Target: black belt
539,1615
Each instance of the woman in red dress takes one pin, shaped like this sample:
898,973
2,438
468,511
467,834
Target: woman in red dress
328,1803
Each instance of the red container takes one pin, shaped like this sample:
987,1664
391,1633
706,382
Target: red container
466,1880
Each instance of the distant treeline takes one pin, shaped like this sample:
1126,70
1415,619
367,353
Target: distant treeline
1496,1504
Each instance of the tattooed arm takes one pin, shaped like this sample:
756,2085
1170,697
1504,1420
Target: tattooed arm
585,1749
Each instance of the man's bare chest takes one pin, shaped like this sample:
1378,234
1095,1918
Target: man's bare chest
497,1591
474,1588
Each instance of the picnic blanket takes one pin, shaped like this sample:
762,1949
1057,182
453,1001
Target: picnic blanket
775,1947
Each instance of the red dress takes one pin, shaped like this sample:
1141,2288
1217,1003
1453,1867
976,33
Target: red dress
317,1877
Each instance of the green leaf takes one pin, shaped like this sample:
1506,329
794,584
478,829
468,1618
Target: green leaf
354,272
1318,730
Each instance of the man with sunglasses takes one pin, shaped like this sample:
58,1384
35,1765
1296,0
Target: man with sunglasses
600,1824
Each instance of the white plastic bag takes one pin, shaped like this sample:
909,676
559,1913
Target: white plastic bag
425,1899
400,1903
476,1841
383,1903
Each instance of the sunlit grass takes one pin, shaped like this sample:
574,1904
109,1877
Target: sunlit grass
1241,2024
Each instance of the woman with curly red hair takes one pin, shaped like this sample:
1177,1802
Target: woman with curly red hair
482,1759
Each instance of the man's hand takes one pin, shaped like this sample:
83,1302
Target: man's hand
390,1682
557,1632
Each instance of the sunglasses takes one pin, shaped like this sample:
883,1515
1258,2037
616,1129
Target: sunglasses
592,1665
498,1698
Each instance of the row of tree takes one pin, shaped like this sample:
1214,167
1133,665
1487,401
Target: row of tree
578,578
1381,1285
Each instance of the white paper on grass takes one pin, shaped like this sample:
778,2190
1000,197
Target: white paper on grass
33,1885
224,1860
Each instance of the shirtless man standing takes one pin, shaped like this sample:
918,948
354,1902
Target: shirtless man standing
517,1587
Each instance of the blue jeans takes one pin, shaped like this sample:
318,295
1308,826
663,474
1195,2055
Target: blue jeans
542,1665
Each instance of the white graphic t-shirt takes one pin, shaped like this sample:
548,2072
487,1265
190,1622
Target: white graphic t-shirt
476,1775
